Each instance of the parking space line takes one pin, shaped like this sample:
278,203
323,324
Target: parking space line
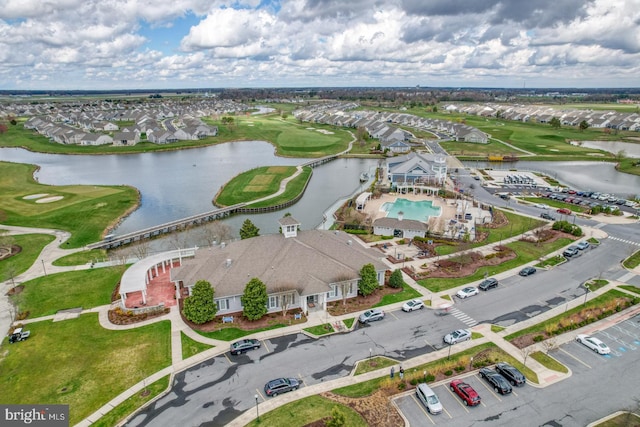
514,393
259,393
421,406
447,412
391,313
429,344
457,399
574,357
266,346
301,379
490,390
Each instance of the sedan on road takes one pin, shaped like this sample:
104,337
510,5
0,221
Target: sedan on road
497,381
371,315
489,283
514,376
469,396
527,271
570,251
281,385
545,215
457,336
582,245
593,343
414,304
241,346
469,291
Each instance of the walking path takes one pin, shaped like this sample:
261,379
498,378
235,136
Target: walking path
178,326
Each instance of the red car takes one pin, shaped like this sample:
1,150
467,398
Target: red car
564,211
468,395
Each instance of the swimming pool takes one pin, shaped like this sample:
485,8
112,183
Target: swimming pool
419,211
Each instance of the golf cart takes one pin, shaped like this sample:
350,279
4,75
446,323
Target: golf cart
18,335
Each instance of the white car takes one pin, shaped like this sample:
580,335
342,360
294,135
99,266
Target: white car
541,206
469,291
414,304
593,343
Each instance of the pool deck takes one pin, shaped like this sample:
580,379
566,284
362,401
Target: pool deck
437,224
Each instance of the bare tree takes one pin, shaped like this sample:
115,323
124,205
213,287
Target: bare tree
140,250
286,296
344,283
549,344
215,232
526,351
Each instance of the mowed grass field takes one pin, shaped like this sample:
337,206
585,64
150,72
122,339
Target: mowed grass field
261,182
77,362
84,210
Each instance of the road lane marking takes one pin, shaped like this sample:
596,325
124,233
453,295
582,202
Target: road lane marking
421,406
266,346
229,360
574,357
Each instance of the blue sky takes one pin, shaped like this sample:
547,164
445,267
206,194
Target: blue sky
139,44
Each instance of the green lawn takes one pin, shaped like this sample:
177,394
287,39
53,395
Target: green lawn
253,184
407,293
81,258
231,333
130,405
46,295
320,330
526,252
191,347
79,363
294,189
31,245
304,411
84,210
549,362
633,261
373,364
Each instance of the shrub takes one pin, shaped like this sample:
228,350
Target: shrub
402,385
448,372
538,338
459,368
430,378
396,281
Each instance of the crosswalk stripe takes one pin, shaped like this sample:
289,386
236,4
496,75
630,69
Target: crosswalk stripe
629,242
464,318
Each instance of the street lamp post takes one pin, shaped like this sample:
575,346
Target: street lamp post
586,286
43,269
370,350
449,355
257,410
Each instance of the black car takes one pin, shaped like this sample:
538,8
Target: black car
497,381
545,215
241,346
513,375
527,271
281,385
487,284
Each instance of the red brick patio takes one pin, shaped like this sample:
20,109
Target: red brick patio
159,290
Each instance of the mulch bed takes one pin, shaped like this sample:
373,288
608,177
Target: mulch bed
352,305
5,254
122,317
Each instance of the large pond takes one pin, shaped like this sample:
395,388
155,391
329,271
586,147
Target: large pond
630,149
587,176
177,184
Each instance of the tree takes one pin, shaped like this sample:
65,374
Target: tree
254,300
200,308
215,232
368,280
337,418
583,125
555,123
248,230
396,280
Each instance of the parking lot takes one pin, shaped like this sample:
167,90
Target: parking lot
623,340
454,411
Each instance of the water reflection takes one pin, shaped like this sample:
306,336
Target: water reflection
630,149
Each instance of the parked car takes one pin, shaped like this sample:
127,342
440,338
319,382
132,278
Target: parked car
469,396
497,381
570,251
564,211
487,284
513,375
245,345
429,399
469,291
280,385
541,206
545,215
457,336
527,271
414,304
593,343
371,315
583,245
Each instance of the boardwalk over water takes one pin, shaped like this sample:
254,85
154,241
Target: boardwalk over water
111,242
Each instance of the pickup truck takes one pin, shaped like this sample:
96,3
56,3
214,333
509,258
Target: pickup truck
19,335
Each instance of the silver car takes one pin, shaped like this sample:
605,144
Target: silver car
371,315
457,336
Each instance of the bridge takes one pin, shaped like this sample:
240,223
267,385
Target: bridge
112,242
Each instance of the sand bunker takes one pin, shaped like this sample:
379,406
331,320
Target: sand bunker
35,196
326,132
50,199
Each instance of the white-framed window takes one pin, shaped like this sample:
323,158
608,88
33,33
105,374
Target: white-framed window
333,292
274,302
350,288
223,304
291,228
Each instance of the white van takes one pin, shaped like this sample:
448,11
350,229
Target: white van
428,399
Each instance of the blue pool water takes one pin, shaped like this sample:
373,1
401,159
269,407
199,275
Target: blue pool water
419,211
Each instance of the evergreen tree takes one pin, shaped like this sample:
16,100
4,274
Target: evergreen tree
337,418
248,230
396,280
368,280
200,308
254,300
